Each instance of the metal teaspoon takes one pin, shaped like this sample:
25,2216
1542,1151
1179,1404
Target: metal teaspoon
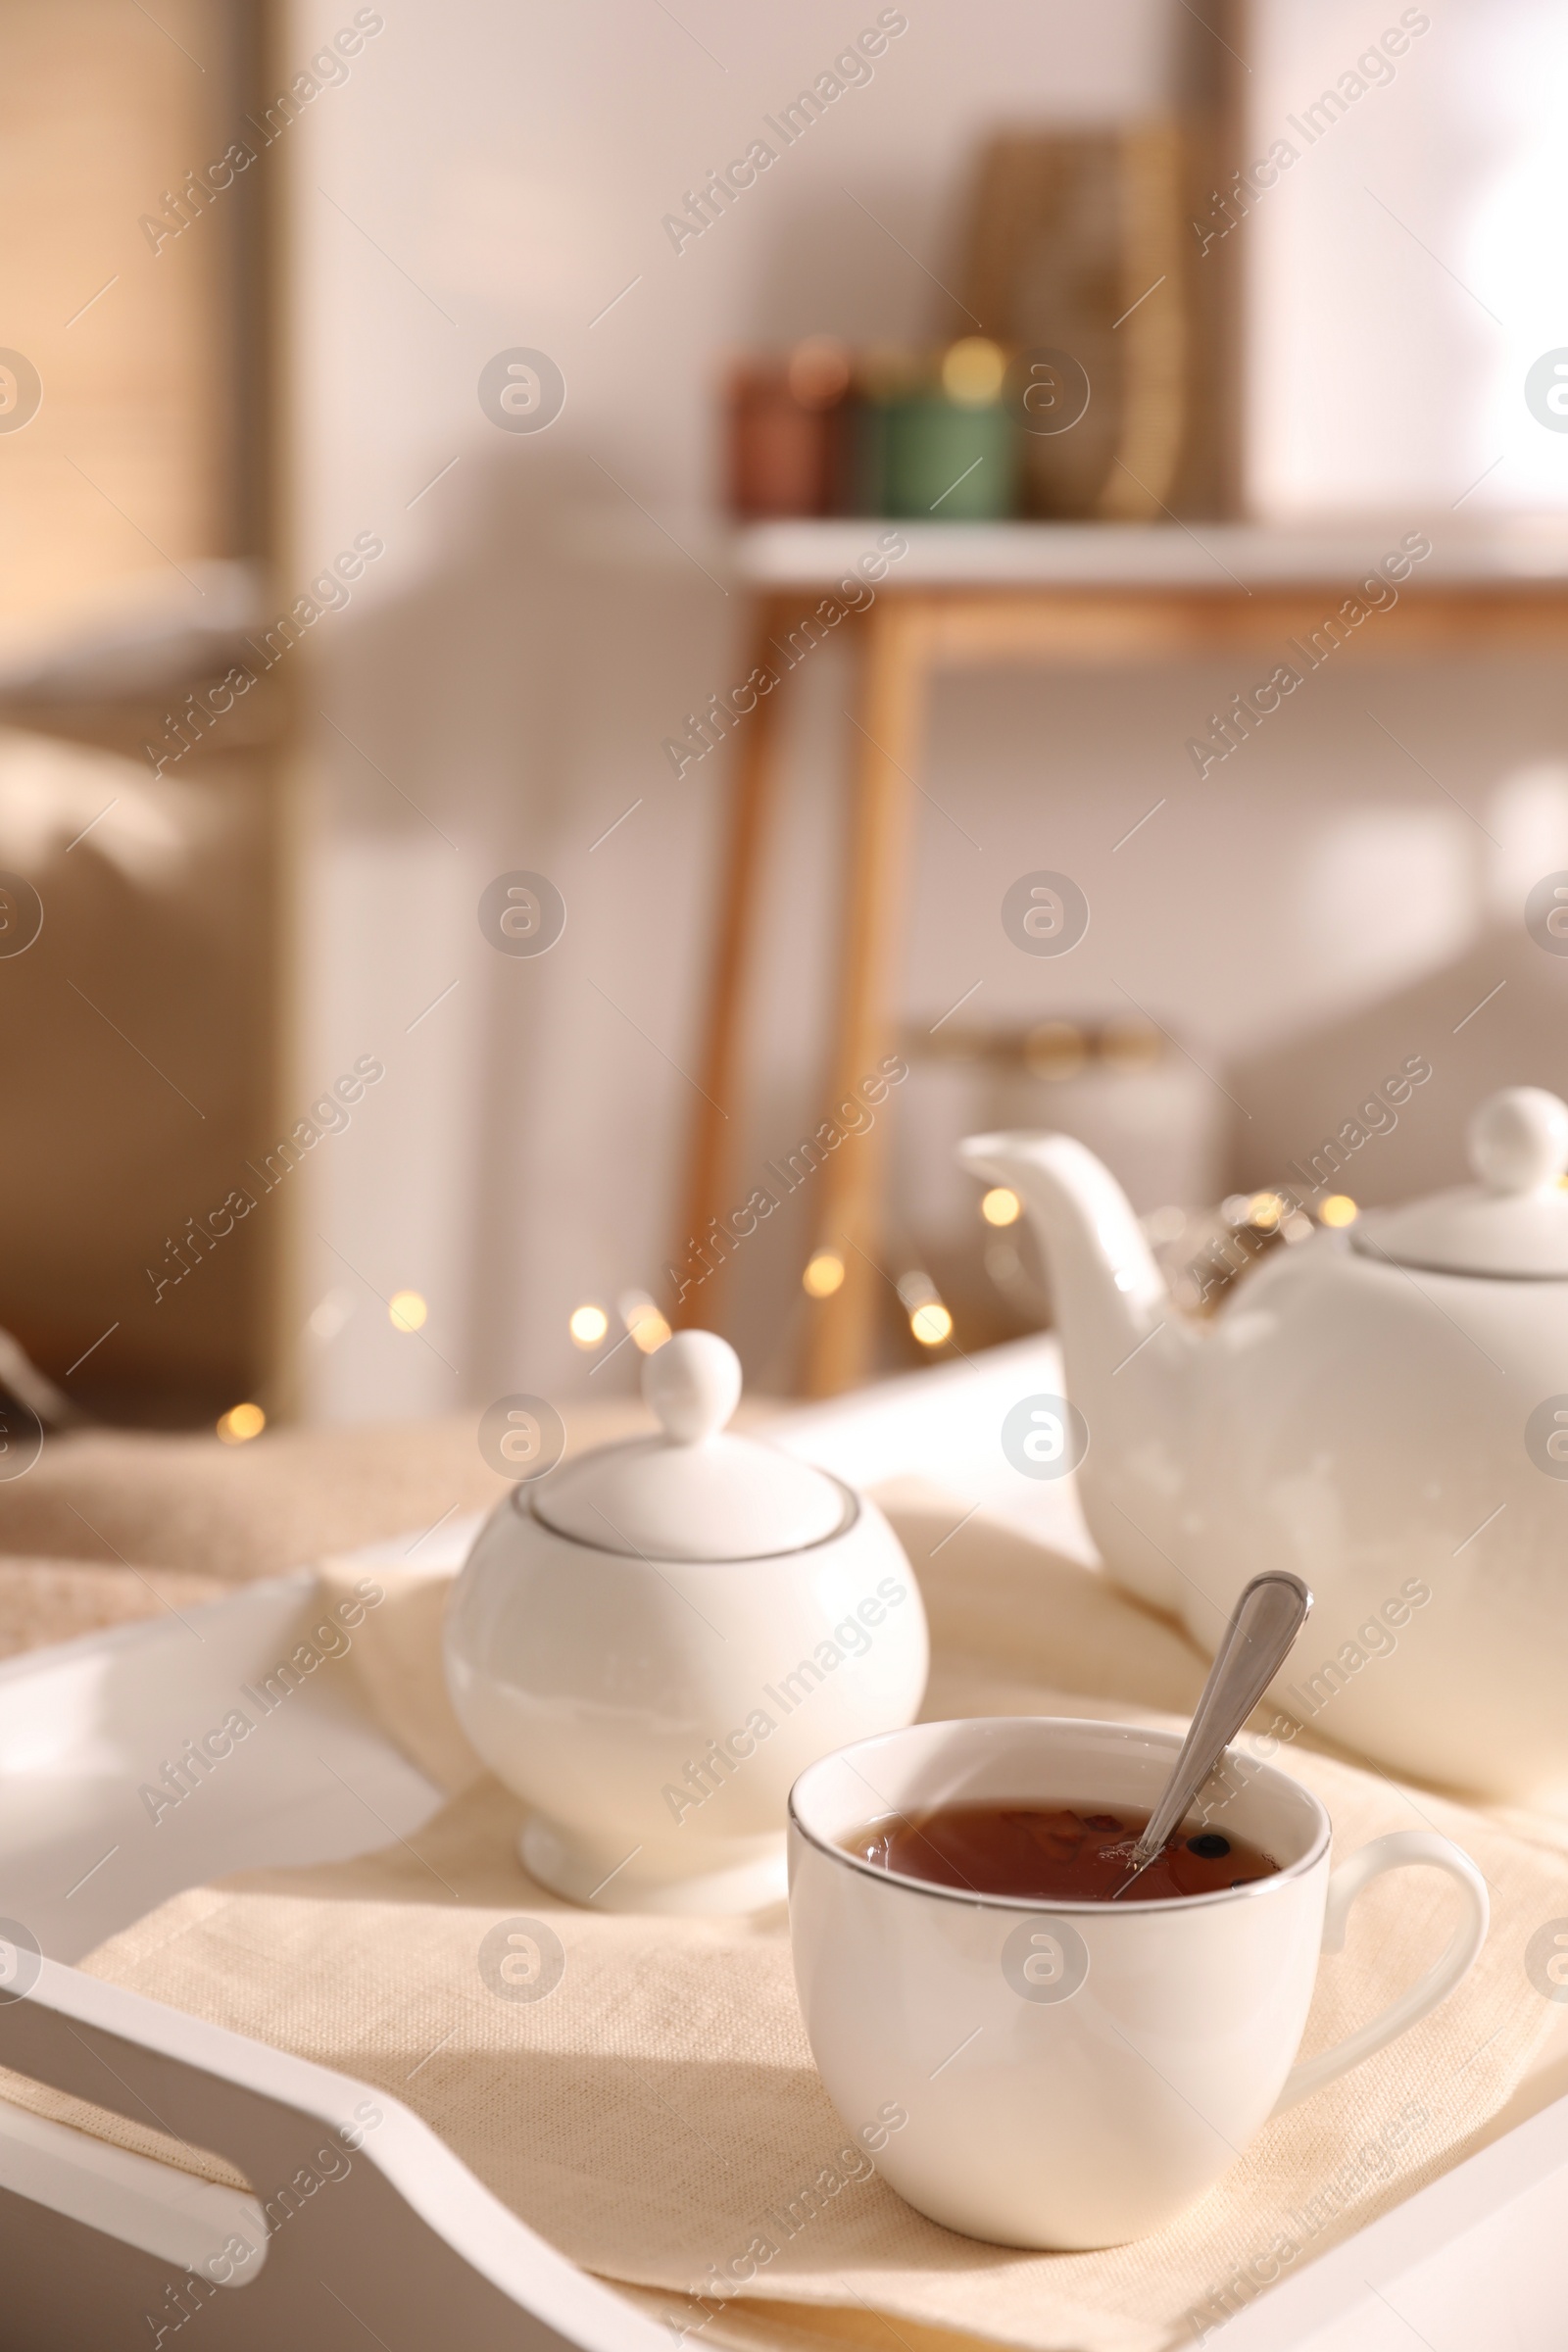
1268,1616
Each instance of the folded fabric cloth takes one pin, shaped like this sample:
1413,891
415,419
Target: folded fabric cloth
56,1599
278,1502
657,2115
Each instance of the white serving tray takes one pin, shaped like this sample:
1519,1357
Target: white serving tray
404,2247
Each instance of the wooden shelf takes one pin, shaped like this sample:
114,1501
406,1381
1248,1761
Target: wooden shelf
1065,597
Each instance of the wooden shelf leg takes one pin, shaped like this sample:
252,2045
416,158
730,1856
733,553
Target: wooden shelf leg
849,1216
739,916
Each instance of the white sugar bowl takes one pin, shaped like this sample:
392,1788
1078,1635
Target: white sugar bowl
652,1643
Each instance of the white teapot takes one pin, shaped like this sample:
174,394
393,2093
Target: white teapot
653,1642
1384,1410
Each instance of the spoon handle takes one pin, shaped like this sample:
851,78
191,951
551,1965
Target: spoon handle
1264,1623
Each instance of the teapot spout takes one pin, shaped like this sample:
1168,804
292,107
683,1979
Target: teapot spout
1127,1353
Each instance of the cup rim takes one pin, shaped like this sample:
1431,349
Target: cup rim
1254,1890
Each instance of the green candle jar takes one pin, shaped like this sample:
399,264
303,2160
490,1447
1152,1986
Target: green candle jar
947,447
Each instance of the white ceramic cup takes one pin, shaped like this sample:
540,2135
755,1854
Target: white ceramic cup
1073,2074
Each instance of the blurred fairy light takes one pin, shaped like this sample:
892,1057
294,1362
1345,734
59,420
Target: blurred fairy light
823,1275
929,1319
329,1316
1265,1210
642,1318
974,371
240,1423
407,1310
1001,1205
1338,1209
818,371
588,1325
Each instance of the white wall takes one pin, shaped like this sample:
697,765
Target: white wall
513,661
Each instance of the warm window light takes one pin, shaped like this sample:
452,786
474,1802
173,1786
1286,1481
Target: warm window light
823,1274
240,1422
642,1318
588,1325
931,1324
1001,1205
1338,1209
407,1311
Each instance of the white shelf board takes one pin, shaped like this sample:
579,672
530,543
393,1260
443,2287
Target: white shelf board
1513,552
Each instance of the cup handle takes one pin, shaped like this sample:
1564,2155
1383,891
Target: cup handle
1401,1850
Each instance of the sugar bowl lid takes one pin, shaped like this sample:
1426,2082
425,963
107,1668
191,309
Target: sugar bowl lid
693,1492
1512,1221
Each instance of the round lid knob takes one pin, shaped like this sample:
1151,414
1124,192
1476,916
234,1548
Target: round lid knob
692,1383
1519,1140
1513,1222
693,1492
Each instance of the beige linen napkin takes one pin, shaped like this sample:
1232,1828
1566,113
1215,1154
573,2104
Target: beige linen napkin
238,1512
657,2115
48,1601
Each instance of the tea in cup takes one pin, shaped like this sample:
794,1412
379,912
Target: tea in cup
1076,2069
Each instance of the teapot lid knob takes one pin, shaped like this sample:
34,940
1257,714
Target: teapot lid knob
692,1383
1518,1140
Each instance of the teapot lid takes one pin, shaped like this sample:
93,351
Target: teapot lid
693,1492
1512,1222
